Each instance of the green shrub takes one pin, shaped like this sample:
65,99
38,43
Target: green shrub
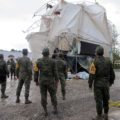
116,66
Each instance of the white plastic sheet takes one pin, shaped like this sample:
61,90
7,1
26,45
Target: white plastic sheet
87,21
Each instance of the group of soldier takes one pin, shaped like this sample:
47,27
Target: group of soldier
19,71
6,69
49,71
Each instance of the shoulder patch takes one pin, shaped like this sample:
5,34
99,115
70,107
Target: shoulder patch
17,65
92,69
35,67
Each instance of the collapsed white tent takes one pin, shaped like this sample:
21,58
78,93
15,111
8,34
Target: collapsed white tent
60,25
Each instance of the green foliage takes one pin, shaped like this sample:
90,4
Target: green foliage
115,36
116,66
116,59
116,52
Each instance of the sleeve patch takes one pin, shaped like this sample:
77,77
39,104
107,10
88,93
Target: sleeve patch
92,69
35,67
17,65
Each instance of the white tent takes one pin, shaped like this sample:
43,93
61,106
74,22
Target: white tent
65,21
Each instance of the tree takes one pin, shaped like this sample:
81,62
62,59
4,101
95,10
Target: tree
116,56
116,52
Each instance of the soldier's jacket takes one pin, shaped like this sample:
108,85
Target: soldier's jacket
8,62
61,67
101,72
13,64
3,70
24,68
47,70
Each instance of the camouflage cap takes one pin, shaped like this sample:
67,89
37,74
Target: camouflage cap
25,51
45,51
99,50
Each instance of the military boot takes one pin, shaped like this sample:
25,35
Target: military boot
18,100
105,116
27,101
4,96
55,111
45,110
97,118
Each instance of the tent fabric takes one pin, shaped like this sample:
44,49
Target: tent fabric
64,45
85,21
37,42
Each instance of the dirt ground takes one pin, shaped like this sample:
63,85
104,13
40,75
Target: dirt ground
79,103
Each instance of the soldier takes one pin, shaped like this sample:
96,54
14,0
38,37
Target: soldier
62,73
8,66
3,73
12,68
102,74
24,74
47,77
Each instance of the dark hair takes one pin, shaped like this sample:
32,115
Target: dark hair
99,50
45,51
25,51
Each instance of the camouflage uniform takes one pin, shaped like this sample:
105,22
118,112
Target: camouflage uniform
62,74
24,73
12,68
8,65
3,74
47,75
102,74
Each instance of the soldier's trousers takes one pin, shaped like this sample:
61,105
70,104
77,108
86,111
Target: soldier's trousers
27,87
102,99
63,84
12,72
52,92
3,87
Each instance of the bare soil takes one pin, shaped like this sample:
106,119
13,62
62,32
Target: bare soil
79,103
